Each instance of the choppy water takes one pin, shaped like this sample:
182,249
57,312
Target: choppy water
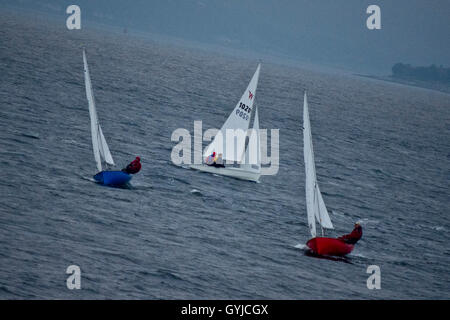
382,153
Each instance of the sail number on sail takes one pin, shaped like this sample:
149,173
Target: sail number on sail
242,113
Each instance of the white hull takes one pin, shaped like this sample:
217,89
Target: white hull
233,172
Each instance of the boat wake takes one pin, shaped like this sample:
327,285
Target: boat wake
301,246
123,186
347,259
91,179
357,255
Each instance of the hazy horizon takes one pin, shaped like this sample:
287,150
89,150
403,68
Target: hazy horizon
329,34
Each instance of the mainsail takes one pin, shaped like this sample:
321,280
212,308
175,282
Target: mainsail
315,206
99,145
230,139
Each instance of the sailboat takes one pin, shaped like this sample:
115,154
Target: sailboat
245,157
99,145
315,205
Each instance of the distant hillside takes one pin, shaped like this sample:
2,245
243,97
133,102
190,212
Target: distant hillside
432,77
428,74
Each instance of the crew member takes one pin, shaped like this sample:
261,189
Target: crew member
133,167
218,162
354,236
210,160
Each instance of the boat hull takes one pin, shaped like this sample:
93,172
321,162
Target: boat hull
329,246
233,172
112,178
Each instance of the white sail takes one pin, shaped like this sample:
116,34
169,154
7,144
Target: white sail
309,169
324,218
99,145
255,143
230,145
252,157
104,149
315,206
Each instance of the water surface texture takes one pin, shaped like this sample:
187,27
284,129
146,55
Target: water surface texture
382,155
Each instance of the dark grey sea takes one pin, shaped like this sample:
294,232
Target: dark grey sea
382,154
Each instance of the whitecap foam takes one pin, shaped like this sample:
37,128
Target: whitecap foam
195,191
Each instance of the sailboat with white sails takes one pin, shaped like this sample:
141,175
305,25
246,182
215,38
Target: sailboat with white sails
315,205
99,145
243,160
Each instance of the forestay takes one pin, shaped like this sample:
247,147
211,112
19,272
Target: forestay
315,206
99,145
230,139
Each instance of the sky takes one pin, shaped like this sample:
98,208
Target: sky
329,33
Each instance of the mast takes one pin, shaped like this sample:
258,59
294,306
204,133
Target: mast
315,206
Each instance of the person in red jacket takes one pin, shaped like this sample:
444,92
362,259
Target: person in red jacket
133,167
354,236
210,159
215,160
